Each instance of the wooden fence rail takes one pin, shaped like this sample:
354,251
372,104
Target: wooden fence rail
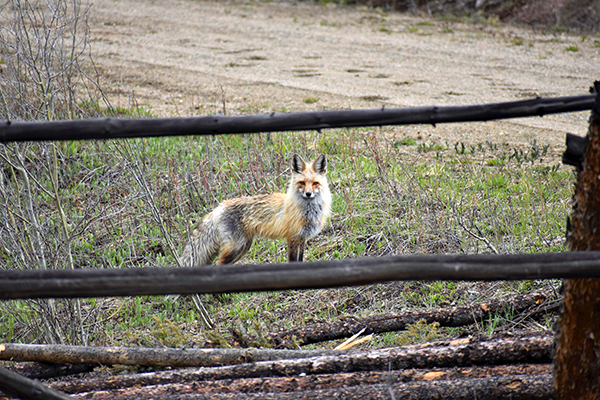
321,274
111,128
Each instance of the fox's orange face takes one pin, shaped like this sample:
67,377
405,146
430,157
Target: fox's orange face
309,177
308,188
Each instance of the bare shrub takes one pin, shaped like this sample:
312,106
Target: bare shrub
43,45
43,49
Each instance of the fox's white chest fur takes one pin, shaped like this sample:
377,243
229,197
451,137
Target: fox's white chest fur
314,211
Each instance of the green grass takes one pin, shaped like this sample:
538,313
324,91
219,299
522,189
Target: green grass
518,41
385,202
311,100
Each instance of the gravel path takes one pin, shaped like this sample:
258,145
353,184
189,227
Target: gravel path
184,57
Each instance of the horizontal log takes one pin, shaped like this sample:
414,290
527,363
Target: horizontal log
111,128
19,284
178,381
458,353
258,362
148,356
516,387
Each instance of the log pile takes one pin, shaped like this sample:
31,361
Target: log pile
519,382
515,366
476,367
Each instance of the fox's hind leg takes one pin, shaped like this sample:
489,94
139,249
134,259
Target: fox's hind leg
234,250
296,249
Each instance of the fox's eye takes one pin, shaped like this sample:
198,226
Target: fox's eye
301,183
316,184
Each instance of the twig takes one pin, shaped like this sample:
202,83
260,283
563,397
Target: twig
479,237
49,315
67,238
553,305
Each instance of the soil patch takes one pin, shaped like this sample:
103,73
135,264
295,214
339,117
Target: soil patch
183,57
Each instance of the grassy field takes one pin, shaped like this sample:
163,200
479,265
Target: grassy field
132,203
121,204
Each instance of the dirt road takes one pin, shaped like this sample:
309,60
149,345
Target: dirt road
185,57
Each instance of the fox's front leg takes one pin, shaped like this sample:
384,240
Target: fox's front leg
296,249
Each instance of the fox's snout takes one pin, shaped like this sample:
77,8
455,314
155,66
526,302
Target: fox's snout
308,195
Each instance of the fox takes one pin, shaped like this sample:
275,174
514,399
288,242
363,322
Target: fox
227,233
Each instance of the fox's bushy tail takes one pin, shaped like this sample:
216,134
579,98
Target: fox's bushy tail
203,246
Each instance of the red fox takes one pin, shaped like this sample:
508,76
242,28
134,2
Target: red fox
298,215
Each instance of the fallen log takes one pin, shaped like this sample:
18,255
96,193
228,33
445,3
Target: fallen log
179,381
147,356
179,358
536,387
533,349
451,316
460,353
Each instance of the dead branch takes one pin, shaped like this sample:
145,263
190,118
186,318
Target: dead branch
456,353
112,128
452,316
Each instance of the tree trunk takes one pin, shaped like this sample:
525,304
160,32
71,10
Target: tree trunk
577,360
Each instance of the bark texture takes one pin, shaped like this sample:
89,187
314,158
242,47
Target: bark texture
577,361
147,356
183,378
530,387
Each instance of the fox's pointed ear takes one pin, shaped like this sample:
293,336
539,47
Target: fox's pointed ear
320,165
298,164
